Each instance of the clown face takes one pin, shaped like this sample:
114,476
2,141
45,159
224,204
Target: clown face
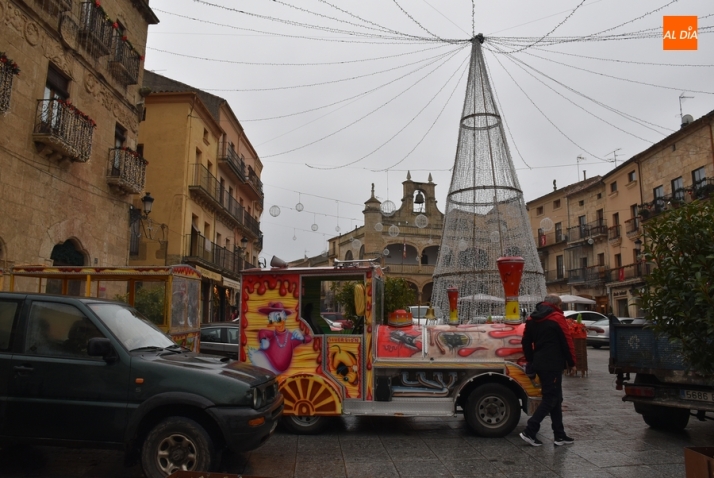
277,320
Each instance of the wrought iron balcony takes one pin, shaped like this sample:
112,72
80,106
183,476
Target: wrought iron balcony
628,272
55,6
206,186
587,231
255,181
199,250
632,227
702,189
95,30
7,73
592,275
252,225
228,156
62,132
551,238
555,276
126,171
613,235
124,61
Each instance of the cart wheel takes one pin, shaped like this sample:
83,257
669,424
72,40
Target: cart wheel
492,410
308,399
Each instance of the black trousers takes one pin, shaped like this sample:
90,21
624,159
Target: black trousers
551,383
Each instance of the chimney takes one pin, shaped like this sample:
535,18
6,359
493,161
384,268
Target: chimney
585,175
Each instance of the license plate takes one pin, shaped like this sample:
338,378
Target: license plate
697,395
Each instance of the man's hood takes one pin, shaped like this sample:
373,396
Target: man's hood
543,310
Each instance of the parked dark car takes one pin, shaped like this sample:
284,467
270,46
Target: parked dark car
93,373
220,338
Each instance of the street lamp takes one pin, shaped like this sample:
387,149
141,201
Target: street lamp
147,202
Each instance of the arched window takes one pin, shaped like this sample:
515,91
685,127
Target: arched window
348,256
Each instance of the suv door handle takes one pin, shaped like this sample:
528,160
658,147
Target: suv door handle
24,368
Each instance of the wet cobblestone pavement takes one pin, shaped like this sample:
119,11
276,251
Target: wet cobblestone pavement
611,440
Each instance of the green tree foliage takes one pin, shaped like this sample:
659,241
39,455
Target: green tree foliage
679,297
149,301
397,294
345,296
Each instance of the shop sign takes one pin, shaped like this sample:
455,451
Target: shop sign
209,274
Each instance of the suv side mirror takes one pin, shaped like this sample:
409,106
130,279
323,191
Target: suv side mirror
101,347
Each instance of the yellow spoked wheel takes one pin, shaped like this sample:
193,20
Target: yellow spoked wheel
308,400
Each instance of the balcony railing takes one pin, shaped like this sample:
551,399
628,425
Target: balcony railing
550,238
252,225
628,272
62,132
255,181
207,185
632,227
703,188
227,154
587,275
201,250
124,61
427,269
613,233
554,276
95,30
587,231
53,10
7,74
126,171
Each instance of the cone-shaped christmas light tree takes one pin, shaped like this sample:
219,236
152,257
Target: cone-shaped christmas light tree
486,217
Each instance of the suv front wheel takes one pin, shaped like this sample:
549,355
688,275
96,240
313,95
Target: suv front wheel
177,444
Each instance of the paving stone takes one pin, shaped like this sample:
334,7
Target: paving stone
432,468
372,469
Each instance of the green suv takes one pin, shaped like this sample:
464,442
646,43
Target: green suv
94,373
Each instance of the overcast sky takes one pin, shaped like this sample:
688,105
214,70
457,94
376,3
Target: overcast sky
399,99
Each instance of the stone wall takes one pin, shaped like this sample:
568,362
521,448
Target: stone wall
46,202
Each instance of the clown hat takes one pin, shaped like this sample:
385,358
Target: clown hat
274,307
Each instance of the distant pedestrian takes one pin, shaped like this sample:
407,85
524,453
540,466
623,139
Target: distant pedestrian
549,348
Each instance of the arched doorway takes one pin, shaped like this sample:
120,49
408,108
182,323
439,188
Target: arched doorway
348,256
66,254
426,292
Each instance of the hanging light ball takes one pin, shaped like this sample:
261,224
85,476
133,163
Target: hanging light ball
546,224
385,252
421,221
393,230
378,227
356,244
445,249
314,227
294,237
337,228
495,236
388,208
463,245
274,211
299,207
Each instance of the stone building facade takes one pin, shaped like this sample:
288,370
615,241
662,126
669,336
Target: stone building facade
69,123
409,251
205,179
600,251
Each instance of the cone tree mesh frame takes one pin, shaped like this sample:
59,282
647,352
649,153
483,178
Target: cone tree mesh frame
486,216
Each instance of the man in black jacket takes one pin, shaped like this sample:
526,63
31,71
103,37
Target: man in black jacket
549,349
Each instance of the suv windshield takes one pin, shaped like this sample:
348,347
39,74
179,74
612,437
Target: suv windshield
130,327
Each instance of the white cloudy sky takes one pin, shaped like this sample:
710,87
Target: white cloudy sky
418,86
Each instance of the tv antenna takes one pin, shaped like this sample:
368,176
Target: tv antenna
614,154
578,160
682,97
